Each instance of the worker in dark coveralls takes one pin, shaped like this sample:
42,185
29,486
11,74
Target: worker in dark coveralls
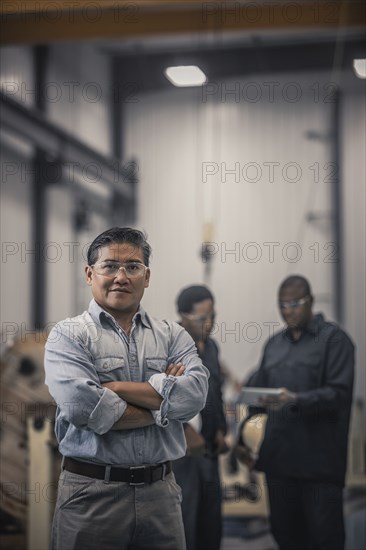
304,450
198,472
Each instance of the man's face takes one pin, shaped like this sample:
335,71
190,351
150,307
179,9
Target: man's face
295,306
118,294
199,322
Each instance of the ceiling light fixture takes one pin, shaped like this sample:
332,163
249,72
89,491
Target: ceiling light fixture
185,75
359,66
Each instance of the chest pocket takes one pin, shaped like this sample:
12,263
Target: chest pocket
155,366
111,368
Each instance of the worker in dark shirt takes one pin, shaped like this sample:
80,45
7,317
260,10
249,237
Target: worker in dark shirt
198,472
305,444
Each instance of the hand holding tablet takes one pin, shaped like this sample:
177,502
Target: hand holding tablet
256,396
271,398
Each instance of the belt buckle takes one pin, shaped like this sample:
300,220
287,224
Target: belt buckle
136,468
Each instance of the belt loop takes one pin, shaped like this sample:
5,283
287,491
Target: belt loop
62,464
164,471
107,474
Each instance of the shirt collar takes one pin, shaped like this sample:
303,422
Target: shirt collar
313,327
144,318
99,314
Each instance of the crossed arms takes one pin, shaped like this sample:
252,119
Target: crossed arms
176,394
141,398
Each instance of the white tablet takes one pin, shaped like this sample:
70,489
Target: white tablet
252,396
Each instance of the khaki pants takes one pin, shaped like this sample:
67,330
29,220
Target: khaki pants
91,514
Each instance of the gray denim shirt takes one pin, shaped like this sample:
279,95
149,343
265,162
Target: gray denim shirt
86,351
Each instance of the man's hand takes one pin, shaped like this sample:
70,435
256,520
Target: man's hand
220,443
195,442
175,369
245,455
276,403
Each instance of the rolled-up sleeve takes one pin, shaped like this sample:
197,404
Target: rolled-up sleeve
74,384
182,396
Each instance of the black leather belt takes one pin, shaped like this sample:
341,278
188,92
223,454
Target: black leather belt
135,475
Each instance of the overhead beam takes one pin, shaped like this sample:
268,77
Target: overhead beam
99,20
22,6
65,151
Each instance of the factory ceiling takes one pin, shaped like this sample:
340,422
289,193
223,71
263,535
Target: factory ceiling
45,21
225,39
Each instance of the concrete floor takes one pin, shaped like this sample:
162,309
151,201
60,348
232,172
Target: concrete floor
261,543
254,534
247,534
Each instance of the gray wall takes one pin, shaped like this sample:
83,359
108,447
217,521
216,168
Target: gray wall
181,136
178,137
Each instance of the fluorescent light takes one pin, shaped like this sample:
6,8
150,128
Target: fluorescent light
185,75
359,66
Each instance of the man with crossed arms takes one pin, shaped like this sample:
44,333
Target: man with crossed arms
124,383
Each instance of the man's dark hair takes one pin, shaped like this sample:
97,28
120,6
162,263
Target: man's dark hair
296,280
119,235
192,295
